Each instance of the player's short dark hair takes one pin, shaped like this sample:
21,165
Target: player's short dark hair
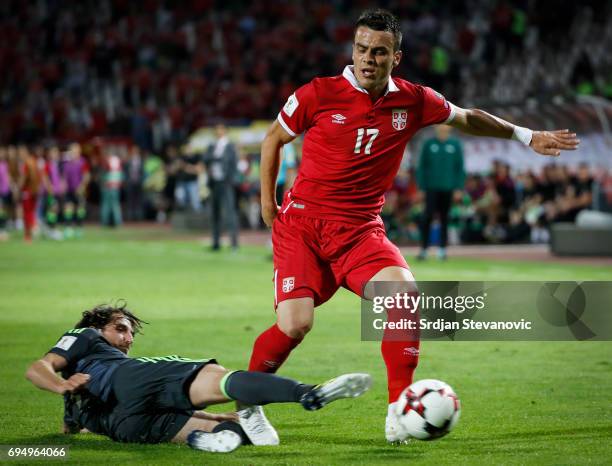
103,314
382,20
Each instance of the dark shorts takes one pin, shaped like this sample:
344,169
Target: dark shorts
6,200
71,197
54,199
152,399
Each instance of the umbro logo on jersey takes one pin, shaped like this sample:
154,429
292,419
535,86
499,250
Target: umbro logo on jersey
338,119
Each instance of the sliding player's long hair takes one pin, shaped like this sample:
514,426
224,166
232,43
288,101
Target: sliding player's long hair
103,314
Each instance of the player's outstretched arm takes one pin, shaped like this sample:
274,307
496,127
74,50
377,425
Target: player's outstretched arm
42,373
480,123
276,137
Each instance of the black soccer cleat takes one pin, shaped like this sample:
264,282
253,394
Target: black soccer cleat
343,386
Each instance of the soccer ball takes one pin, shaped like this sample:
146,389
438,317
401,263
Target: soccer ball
428,409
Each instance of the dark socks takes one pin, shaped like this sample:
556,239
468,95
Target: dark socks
259,388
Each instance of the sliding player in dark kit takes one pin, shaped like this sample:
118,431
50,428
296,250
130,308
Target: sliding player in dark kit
152,400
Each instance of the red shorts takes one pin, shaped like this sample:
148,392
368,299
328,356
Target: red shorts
314,257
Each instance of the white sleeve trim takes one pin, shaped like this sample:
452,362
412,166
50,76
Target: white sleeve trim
284,125
451,115
275,280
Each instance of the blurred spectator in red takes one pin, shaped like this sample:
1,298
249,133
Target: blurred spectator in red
30,183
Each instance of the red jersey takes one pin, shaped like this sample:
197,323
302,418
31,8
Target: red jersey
353,147
32,177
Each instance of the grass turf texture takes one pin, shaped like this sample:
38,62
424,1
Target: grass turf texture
523,402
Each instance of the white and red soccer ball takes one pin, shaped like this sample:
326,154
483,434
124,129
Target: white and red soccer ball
428,409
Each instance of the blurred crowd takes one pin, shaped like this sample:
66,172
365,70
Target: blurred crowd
502,206
42,183
51,190
156,70
98,97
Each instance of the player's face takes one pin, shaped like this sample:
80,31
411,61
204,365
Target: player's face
23,153
75,150
220,131
119,333
374,58
54,153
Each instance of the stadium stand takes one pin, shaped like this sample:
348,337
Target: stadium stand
156,71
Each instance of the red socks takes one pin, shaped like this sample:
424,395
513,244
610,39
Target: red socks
400,350
271,349
401,358
29,216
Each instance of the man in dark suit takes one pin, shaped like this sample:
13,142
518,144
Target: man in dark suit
221,162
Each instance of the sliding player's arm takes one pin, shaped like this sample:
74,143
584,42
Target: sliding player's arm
275,139
42,373
480,123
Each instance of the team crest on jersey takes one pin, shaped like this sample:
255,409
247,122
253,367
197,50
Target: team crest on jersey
288,284
399,118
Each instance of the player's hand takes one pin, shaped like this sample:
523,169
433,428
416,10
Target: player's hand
553,142
70,429
75,383
269,213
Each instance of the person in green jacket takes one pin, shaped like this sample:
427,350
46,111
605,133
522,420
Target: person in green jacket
440,171
112,180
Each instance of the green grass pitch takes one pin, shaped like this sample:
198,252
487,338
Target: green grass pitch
523,402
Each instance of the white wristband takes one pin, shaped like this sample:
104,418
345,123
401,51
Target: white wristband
522,134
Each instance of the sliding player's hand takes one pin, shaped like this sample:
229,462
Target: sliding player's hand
553,142
75,383
269,213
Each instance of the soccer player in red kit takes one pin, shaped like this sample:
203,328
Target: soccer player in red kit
31,178
328,232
